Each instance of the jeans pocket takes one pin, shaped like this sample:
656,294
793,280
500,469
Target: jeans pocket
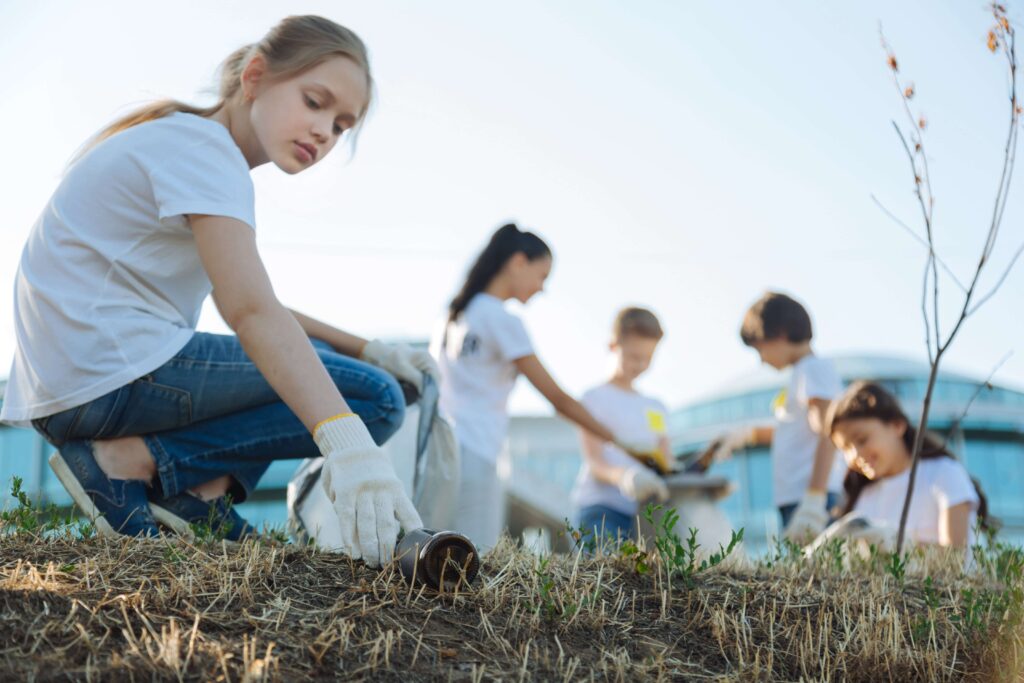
81,422
152,407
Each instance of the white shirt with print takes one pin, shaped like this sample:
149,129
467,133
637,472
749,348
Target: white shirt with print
110,284
634,419
941,483
476,355
794,442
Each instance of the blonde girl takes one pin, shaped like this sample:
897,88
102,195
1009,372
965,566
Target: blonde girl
153,421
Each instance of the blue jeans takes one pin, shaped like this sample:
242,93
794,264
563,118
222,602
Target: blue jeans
209,411
605,523
831,500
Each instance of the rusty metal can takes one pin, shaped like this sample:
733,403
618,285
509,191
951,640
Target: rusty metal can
438,559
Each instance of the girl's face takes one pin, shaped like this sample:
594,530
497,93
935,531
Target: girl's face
297,121
873,447
527,277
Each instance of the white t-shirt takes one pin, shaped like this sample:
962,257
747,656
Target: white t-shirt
633,418
941,483
794,442
478,373
110,284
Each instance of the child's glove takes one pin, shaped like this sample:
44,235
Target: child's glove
809,519
640,484
404,362
368,498
732,441
648,453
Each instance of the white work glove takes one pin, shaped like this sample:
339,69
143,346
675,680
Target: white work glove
641,484
404,362
809,519
733,441
368,498
860,533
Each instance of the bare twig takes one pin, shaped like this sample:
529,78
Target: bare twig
920,240
1001,35
987,384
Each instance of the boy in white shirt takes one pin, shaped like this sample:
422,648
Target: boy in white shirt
807,470
612,484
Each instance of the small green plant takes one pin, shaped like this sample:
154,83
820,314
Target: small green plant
639,558
678,556
582,537
784,553
896,567
545,587
924,626
29,517
173,555
23,517
214,528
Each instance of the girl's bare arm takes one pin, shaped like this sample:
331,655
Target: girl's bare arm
269,332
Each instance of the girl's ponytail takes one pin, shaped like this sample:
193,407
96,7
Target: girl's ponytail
507,241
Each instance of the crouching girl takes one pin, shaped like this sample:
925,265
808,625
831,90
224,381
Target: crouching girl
876,438
152,420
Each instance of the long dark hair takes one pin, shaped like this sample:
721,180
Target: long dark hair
505,243
867,400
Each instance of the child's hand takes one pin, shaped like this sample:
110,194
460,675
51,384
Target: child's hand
809,519
640,484
732,441
368,497
651,457
402,361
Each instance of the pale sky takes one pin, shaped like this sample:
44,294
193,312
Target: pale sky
682,156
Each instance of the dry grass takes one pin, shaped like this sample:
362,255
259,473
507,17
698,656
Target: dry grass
163,610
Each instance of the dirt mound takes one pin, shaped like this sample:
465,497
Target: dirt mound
167,610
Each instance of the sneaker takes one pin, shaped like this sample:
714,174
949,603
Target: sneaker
115,506
184,512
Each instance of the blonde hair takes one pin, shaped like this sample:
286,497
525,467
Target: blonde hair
296,44
639,322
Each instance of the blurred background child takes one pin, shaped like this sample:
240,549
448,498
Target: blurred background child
807,472
877,440
611,483
481,349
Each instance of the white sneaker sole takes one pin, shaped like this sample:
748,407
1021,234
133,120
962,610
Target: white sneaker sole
81,498
172,521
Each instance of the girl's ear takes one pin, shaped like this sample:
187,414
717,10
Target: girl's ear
253,76
517,261
901,427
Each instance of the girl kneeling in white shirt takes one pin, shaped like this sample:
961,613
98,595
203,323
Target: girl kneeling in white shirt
481,349
868,426
152,420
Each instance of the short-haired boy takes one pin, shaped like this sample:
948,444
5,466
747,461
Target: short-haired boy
611,484
807,470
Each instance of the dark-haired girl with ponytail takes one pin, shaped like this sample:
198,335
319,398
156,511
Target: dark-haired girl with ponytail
877,439
481,350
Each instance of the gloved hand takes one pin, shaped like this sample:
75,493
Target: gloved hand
809,519
648,453
404,362
368,498
733,441
640,484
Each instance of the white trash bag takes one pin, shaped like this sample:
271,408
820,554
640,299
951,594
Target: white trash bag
425,456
